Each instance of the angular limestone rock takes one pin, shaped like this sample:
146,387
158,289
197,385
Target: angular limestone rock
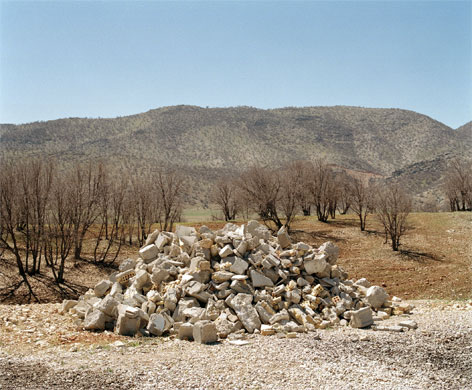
247,314
331,250
108,306
67,304
260,280
204,332
102,287
95,320
361,318
376,296
239,266
314,266
283,238
225,251
149,253
129,321
186,331
159,323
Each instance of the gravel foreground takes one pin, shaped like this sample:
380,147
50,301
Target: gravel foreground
40,349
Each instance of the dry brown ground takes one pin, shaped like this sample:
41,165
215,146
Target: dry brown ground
435,260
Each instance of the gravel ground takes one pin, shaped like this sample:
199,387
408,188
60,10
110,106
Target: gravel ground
39,349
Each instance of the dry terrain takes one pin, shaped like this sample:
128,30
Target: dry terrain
41,349
434,262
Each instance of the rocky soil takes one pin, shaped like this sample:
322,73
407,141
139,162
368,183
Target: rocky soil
41,349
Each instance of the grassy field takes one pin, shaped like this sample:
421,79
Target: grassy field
435,260
200,215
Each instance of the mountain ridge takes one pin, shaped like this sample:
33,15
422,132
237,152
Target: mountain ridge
213,140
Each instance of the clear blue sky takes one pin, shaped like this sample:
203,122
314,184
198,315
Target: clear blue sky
90,59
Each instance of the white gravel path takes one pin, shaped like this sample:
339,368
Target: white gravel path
438,355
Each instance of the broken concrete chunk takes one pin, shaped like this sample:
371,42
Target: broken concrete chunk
267,330
159,275
410,324
363,282
108,306
159,324
182,230
376,296
279,317
142,279
102,287
149,253
242,305
331,250
391,328
283,238
129,320
238,266
314,266
127,265
226,251
204,332
150,239
161,241
186,331
67,304
95,320
361,318
265,311
260,280
221,276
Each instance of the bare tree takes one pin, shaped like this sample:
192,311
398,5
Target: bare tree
226,197
302,170
274,194
35,178
59,234
323,186
169,191
360,199
458,184
141,198
393,206
293,191
112,230
344,200
11,218
260,189
85,182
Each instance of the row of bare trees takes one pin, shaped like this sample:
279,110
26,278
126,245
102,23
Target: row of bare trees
47,214
278,195
458,184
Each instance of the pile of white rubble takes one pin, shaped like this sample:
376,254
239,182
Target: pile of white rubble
206,285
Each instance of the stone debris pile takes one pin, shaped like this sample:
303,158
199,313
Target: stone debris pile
204,285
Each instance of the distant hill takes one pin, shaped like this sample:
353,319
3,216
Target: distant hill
207,142
465,133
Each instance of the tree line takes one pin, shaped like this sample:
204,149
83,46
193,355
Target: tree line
48,213
278,195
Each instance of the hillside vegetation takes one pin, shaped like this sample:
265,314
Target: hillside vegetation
211,142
